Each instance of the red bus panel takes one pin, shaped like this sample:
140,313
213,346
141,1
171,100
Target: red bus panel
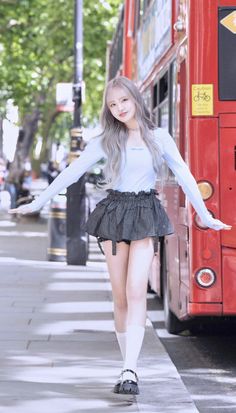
228,183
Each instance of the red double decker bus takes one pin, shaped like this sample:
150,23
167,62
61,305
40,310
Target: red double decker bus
182,54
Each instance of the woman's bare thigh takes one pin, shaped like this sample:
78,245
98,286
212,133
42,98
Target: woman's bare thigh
117,268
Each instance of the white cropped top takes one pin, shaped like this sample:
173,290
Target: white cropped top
137,173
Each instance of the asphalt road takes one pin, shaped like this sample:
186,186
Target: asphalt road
206,361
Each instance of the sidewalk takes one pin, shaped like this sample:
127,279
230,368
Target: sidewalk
58,348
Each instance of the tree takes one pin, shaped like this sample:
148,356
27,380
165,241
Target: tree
36,52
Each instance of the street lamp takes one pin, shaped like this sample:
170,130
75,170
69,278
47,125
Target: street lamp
77,241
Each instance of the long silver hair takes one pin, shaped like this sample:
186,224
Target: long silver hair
115,133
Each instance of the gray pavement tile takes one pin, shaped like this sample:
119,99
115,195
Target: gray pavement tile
78,347
28,302
12,335
5,311
79,295
13,345
6,301
11,322
21,280
61,401
60,327
39,317
75,306
21,292
85,336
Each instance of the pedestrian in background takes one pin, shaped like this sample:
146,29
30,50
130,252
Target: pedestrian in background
130,220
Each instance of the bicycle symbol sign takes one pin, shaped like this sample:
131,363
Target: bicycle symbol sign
202,100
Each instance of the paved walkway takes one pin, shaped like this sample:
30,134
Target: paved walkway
58,348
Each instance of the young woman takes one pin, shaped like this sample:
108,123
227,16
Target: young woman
130,219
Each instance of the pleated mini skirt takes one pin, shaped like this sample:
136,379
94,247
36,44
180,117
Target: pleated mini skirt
128,216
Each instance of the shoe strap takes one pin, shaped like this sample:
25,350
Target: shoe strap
130,371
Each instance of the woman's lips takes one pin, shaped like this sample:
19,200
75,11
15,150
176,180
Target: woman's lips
122,114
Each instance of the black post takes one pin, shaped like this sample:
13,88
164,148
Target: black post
77,244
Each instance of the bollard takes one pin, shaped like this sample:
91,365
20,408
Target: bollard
56,250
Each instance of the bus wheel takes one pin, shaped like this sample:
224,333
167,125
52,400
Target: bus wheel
172,323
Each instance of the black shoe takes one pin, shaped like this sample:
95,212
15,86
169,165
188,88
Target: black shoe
128,386
116,388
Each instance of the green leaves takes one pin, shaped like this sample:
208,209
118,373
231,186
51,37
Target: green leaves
36,52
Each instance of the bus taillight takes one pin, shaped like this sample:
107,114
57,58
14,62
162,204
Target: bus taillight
206,189
205,277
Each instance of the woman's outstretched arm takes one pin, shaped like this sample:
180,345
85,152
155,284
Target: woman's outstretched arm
171,155
92,154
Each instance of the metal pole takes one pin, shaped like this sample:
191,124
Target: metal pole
78,60
77,244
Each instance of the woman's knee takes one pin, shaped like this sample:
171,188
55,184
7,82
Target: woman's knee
135,292
120,304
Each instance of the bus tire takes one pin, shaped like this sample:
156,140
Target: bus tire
172,323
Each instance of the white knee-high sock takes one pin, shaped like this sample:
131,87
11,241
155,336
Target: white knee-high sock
121,338
134,340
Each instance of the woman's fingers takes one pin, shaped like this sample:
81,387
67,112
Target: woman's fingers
13,211
227,227
219,225
24,209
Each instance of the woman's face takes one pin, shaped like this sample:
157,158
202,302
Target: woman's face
121,105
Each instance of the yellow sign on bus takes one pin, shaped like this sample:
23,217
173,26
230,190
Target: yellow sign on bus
202,100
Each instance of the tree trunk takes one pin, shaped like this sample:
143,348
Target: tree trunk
47,141
24,143
1,137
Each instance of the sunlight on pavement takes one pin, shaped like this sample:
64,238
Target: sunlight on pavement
78,286
77,307
21,234
7,224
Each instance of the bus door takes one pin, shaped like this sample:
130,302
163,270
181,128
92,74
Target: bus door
228,209
227,98
183,220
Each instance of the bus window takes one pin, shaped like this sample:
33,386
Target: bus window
147,97
226,52
141,7
155,104
146,4
163,104
139,13
161,112
163,115
163,87
178,110
174,101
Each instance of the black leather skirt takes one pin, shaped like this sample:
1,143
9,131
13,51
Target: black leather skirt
129,216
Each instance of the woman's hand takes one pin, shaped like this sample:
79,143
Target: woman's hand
217,225
23,209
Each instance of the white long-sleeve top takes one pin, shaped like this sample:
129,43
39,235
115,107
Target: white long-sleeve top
137,172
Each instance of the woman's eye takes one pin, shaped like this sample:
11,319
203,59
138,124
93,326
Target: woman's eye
125,99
